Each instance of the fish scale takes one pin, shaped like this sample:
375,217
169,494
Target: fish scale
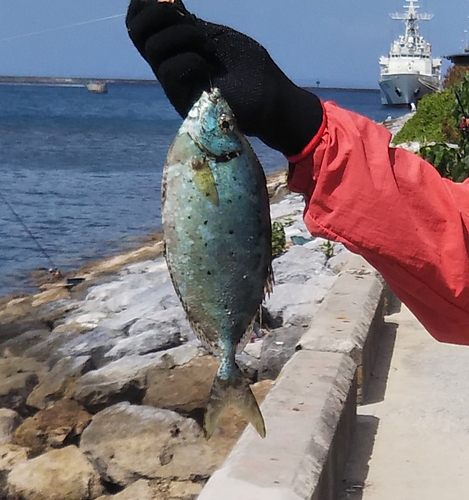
217,232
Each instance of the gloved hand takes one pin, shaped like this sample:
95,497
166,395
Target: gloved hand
189,55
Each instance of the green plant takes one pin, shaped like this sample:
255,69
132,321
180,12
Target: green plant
452,161
433,120
279,240
328,249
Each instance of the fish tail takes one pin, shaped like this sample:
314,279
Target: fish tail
236,392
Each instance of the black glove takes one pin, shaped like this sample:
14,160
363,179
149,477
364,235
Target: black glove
189,55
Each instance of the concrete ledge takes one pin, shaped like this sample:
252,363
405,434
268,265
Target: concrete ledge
307,412
310,412
349,320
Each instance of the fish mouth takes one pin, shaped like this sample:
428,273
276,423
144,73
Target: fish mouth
214,95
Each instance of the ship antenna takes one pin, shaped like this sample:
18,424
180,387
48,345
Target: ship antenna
20,220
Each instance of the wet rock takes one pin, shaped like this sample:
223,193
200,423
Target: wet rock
53,427
278,347
126,443
54,385
182,388
9,421
56,475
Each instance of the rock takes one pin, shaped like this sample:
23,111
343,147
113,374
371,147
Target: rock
254,349
17,346
93,343
55,383
295,304
56,475
9,421
13,366
278,347
249,365
45,350
184,490
126,378
140,490
144,343
11,455
18,377
14,391
126,443
167,318
121,380
53,427
182,388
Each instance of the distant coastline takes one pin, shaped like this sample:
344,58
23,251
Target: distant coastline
82,82
51,80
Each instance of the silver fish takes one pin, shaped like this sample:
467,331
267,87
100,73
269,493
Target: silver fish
217,233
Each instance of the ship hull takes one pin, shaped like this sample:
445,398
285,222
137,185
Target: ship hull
406,89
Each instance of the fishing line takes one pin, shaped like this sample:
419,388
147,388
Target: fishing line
50,30
46,255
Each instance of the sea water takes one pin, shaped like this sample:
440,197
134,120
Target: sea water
81,172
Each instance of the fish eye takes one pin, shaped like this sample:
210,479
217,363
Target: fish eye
225,123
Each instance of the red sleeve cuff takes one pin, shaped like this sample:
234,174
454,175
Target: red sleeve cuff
309,148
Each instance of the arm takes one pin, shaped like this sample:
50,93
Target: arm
394,209
385,204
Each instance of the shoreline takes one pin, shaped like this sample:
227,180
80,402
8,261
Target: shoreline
145,247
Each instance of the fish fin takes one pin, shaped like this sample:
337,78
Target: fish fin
235,392
211,346
246,338
204,180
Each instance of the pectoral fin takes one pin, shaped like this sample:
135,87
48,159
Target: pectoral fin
204,180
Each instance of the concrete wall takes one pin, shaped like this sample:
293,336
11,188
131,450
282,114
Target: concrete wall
310,412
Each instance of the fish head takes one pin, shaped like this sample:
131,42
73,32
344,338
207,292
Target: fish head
212,126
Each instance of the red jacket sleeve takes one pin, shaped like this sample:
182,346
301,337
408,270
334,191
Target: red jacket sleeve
393,208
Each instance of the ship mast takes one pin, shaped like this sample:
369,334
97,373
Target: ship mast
411,18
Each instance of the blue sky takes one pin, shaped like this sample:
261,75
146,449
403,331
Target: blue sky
336,41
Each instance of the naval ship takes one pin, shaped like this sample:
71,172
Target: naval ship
409,72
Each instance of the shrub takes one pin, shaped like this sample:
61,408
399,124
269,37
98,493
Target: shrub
432,122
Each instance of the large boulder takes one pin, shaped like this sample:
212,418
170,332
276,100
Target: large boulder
56,475
127,442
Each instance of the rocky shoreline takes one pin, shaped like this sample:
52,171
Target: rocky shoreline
103,384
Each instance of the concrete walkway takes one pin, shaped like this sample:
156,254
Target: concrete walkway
412,438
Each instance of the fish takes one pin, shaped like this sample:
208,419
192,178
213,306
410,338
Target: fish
218,244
